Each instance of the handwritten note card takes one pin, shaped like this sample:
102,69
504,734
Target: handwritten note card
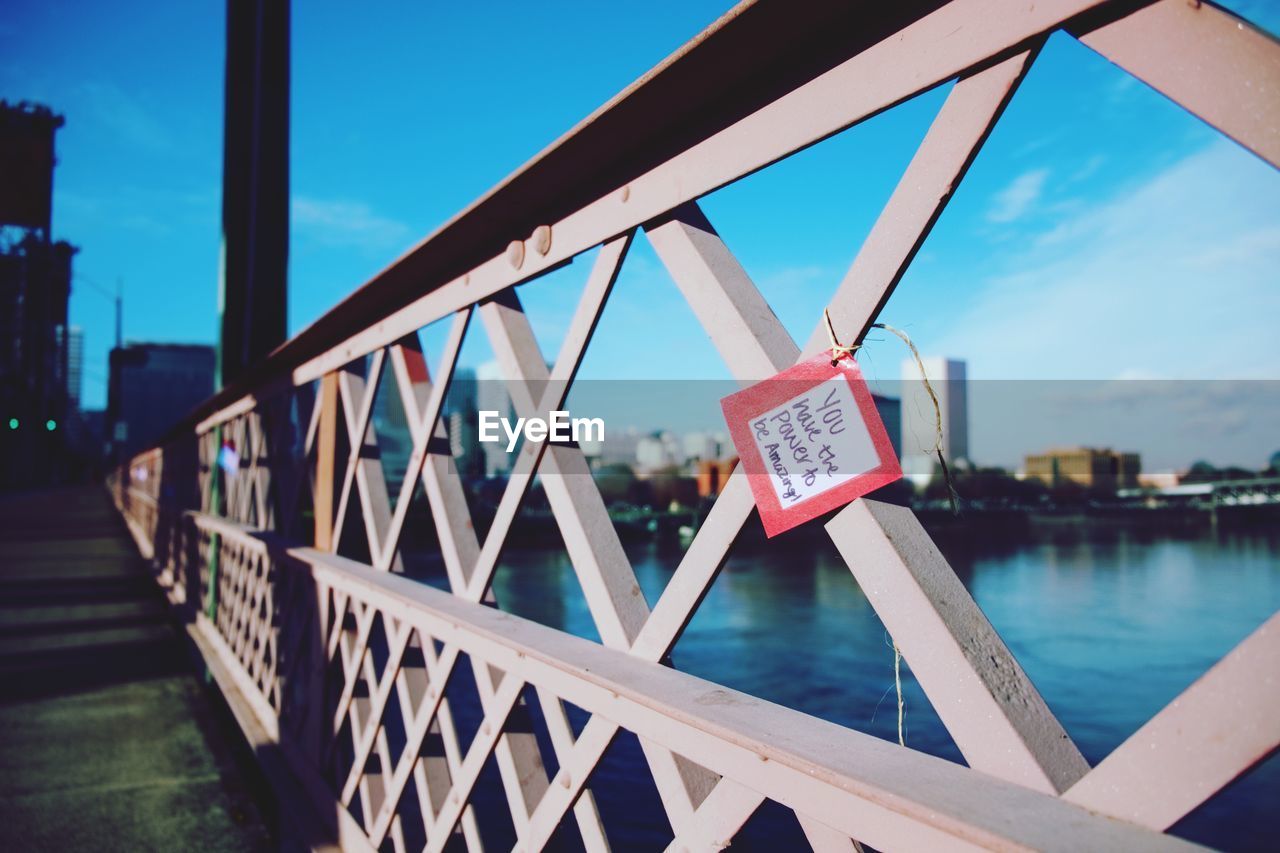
809,440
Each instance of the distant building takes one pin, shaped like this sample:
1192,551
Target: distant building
1093,468
619,446
461,412
653,453
700,446
151,388
1158,480
890,411
391,426
492,396
75,366
712,475
948,378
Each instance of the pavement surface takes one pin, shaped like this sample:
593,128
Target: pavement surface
109,737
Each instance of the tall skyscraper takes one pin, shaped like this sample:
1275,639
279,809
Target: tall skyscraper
948,378
461,409
492,396
75,366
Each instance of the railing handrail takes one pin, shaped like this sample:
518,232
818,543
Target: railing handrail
832,772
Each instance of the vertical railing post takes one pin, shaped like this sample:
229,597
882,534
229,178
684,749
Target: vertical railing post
215,501
326,453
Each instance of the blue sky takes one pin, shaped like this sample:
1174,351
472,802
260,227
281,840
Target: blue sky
1102,234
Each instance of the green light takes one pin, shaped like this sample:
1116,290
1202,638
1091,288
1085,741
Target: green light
13,423
51,425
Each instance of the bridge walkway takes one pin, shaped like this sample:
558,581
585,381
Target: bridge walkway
109,738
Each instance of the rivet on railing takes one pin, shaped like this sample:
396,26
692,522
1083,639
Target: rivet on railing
541,239
515,253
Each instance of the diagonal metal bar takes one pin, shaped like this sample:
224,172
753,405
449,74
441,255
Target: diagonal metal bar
608,582
1035,750
350,652
487,738
423,420
948,149
432,774
988,704
1205,59
398,639
585,811
718,819
1211,733
825,839
357,404
518,759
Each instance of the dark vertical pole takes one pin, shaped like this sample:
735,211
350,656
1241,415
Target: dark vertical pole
119,313
252,290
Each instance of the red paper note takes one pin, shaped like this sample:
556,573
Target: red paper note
810,440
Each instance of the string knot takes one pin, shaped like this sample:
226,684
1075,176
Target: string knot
837,350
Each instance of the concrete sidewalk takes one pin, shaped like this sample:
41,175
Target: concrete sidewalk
109,739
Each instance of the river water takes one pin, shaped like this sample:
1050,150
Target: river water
1109,623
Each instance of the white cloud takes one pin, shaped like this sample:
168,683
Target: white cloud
1017,198
126,117
1175,276
346,224
792,278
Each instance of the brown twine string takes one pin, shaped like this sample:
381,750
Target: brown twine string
897,682
838,351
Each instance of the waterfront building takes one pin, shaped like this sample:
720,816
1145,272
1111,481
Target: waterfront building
713,474
1093,468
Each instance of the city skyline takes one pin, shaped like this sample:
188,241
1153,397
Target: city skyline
1172,424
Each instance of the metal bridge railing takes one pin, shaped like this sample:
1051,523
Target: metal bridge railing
344,669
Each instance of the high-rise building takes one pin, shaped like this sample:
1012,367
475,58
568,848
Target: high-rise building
391,427
890,411
947,377
461,408
152,387
75,366
492,396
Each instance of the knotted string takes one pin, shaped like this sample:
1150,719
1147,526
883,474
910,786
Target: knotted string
836,350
